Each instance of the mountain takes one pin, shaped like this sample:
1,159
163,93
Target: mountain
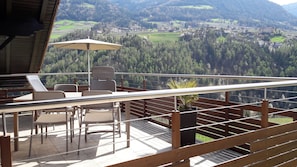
291,8
125,13
93,10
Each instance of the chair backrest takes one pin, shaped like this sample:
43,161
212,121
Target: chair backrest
103,73
47,95
66,87
97,92
103,85
36,83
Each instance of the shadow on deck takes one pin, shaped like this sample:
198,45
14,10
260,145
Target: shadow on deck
146,139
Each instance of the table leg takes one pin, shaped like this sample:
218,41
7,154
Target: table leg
16,130
127,111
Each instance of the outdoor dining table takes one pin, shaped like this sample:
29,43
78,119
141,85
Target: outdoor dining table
29,97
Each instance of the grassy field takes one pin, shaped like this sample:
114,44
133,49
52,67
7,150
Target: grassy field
63,27
161,37
278,39
281,120
203,138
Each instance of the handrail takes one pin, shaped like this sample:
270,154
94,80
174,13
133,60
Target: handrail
261,78
43,104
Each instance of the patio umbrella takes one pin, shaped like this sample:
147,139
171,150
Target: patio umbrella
87,44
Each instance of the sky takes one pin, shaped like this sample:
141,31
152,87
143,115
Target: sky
283,2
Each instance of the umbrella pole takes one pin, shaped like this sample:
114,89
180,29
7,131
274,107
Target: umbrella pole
89,71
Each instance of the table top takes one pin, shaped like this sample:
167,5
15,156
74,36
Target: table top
29,97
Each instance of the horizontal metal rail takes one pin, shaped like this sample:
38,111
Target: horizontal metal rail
47,104
259,78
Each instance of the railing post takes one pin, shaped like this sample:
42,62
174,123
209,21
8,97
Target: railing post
122,82
127,117
264,112
16,130
145,113
226,114
6,160
227,97
144,83
175,128
144,101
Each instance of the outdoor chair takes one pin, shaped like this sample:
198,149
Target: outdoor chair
103,85
69,88
47,117
103,73
101,114
36,83
107,85
66,87
102,79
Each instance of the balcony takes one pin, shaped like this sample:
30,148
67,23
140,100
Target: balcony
232,125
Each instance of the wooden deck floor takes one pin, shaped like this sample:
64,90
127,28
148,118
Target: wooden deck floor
146,139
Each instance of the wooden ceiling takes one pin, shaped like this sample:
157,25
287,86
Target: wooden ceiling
25,28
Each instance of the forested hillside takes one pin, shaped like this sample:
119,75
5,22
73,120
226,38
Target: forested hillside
125,13
203,51
234,50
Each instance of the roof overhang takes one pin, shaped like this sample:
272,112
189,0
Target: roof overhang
25,28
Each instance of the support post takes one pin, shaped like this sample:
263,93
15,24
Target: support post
6,159
144,84
226,110
176,139
175,128
122,82
227,97
16,130
264,112
127,117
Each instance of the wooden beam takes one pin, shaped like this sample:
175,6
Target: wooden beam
43,10
8,7
8,56
35,58
7,47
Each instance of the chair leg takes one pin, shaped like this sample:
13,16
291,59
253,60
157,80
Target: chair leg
119,121
41,135
73,118
71,129
66,133
86,132
113,137
30,145
78,149
46,131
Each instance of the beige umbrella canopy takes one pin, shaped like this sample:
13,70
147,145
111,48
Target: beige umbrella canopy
87,44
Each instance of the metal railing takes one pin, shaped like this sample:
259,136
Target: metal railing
37,105
150,94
